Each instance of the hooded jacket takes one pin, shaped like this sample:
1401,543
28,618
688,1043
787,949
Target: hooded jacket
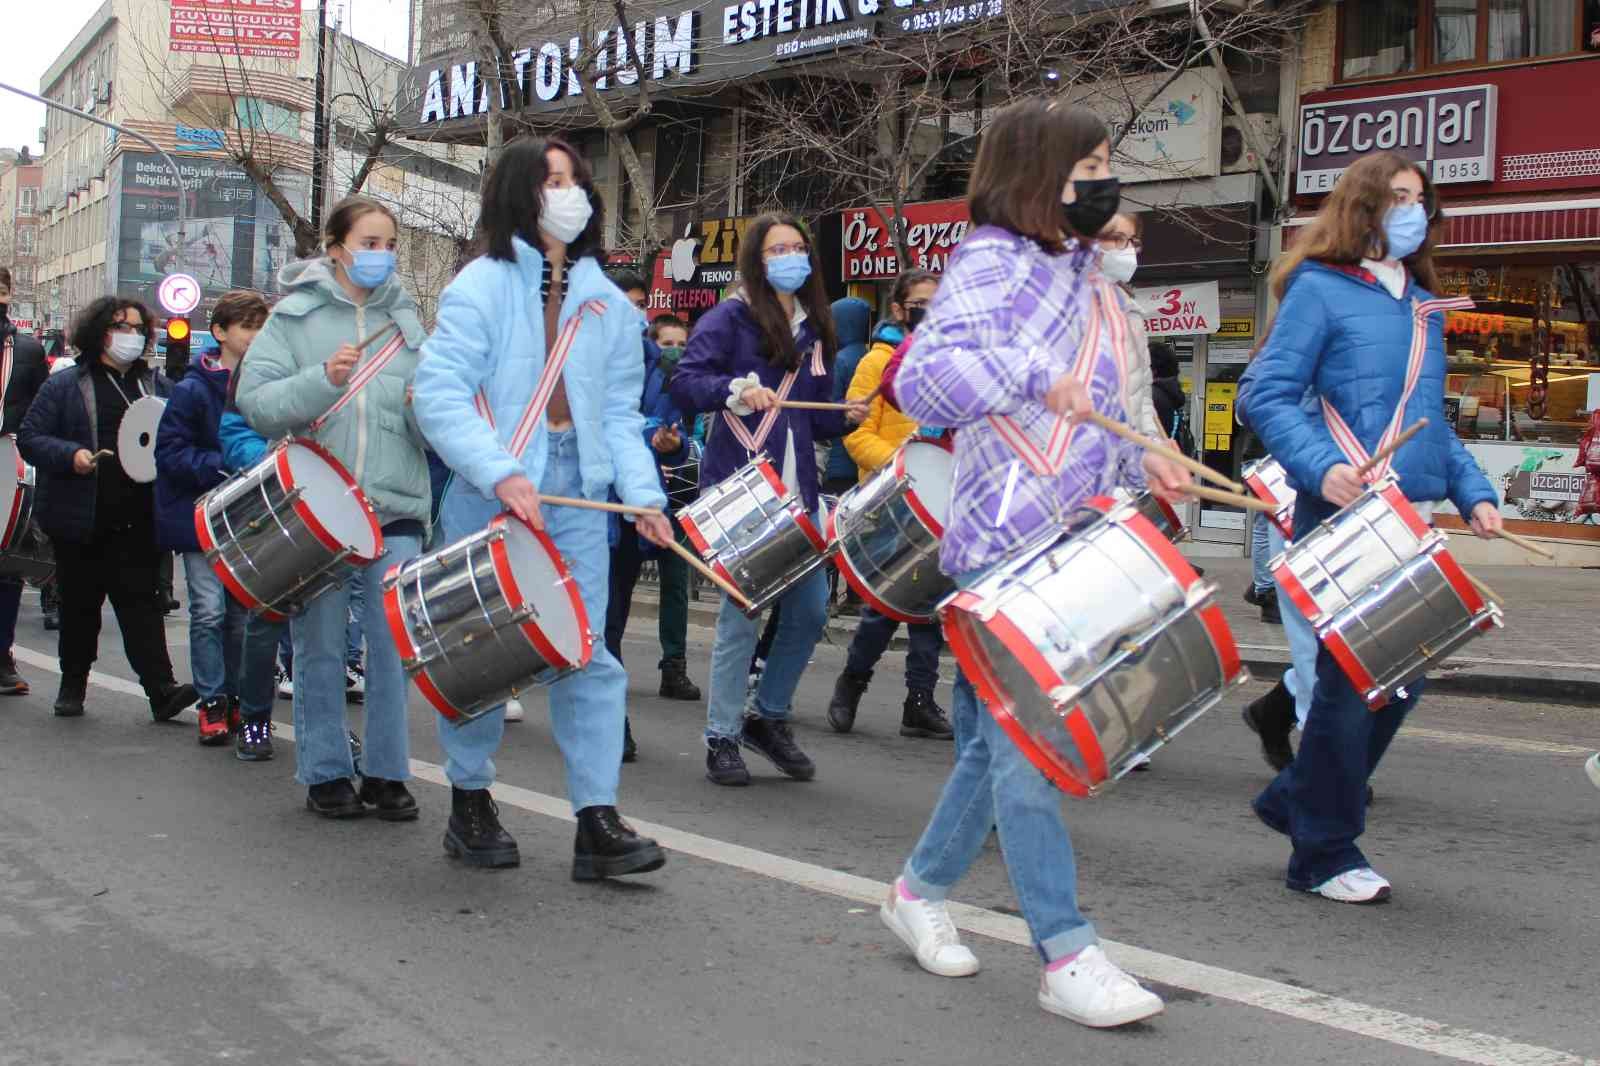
851,319
283,387
28,371
189,452
874,442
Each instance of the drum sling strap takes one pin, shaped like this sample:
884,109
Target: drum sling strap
1049,461
5,368
529,422
753,443
1345,437
363,375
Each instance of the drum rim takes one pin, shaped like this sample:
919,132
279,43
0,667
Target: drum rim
161,401
208,544
691,529
801,518
1283,517
17,499
913,501
502,569
847,570
315,527
408,651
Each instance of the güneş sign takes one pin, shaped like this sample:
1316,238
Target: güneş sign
1448,131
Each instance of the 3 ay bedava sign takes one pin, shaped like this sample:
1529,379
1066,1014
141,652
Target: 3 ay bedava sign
1449,132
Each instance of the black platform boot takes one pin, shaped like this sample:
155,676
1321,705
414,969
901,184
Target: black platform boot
474,834
608,847
847,692
922,717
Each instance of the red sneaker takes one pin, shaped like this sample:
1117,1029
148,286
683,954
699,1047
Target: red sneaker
214,721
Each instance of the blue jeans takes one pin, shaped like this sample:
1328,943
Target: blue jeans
216,630
1320,800
258,676
805,612
355,630
871,640
320,633
1261,530
587,706
993,785
1301,676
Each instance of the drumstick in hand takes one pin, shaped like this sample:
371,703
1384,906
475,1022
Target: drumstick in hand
813,405
1232,499
677,549
375,335
1167,452
1383,453
1525,544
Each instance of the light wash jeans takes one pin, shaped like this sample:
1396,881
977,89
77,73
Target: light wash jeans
322,741
356,631
586,707
805,612
258,674
1261,550
216,630
1301,677
993,786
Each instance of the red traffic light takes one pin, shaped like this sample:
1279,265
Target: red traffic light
177,329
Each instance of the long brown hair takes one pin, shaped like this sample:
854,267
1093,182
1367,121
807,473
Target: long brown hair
763,301
1024,161
1349,227
347,212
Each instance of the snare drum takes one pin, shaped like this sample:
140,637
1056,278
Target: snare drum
886,532
1157,512
683,479
481,619
753,531
286,530
1270,483
1383,592
24,550
1094,648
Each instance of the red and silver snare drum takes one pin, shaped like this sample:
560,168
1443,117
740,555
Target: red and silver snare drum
1094,647
752,530
24,550
1384,593
886,531
1157,512
479,620
286,530
1270,483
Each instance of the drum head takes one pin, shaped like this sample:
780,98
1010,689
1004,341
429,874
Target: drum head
10,487
136,438
331,502
539,580
928,465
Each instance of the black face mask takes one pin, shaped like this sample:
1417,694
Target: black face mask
914,317
5,311
1097,200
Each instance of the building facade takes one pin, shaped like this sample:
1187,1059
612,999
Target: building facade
20,181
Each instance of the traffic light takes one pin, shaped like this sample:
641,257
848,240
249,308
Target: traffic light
177,347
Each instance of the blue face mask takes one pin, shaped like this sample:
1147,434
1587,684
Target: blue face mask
1405,227
788,272
370,267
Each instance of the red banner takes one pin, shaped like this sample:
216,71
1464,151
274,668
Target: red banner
266,28
932,232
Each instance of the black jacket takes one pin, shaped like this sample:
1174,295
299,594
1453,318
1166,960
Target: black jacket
28,371
1168,396
60,421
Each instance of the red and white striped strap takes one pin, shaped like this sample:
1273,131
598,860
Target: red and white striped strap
1345,437
752,443
5,368
364,374
1104,315
528,423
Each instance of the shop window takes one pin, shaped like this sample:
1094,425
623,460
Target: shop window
254,114
1380,37
677,161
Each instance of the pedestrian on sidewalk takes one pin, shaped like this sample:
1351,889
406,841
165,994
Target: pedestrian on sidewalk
536,297
23,371
871,445
1001,337
188,465
773,335
299,366
100,521
1357,288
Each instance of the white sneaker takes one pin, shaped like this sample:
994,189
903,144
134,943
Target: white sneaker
513,710
355,684
925,927
1092,990
1592,768
285,685
1355,886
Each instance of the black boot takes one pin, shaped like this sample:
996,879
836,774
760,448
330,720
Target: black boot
11,682
775,739
675,683
474,834
50,604
921,717
170,699
335,799
608,847
1269,607
724,764
69,701
391,800
630,750
846,698
1271,718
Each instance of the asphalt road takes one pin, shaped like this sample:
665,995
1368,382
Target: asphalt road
164,903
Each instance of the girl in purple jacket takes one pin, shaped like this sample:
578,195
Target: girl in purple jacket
774,334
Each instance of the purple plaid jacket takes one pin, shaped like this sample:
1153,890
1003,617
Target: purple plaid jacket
1008,319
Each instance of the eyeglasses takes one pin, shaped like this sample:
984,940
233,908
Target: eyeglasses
1429,201
772,251
127,327
1119,241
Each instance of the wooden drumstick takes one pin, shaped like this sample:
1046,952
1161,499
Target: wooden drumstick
1166,451
677,549
1232,499
1525,544
379,332
1383,453
1488,593
103,453
812,405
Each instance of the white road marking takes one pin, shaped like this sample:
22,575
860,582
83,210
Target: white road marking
1393,1027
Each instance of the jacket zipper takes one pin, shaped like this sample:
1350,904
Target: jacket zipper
361,405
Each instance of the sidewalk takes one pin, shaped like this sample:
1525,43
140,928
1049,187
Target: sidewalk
1549,648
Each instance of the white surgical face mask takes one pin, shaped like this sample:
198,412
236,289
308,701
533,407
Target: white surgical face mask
125,348
564,213
1119,264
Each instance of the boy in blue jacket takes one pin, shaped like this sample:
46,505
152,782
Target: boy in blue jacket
189,464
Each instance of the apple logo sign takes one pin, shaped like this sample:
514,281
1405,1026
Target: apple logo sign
682,265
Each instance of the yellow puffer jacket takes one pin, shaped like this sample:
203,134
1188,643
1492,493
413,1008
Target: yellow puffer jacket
886,427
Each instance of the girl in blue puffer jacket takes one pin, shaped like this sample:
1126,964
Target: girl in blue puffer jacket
1355,305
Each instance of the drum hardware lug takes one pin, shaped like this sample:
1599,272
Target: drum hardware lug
1065,695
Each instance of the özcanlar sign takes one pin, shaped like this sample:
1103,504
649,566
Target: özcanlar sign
1448,131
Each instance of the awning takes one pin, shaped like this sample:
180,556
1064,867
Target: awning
1532,222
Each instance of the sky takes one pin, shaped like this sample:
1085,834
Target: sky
35,42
